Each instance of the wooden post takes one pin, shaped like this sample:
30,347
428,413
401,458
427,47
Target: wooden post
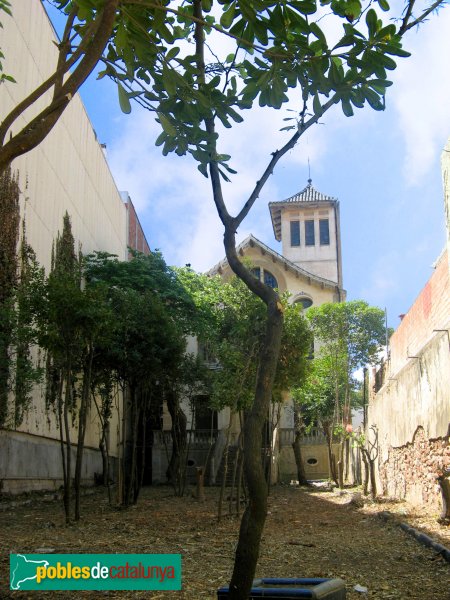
200,483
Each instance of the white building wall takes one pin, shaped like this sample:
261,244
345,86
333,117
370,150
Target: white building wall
321,260
66,172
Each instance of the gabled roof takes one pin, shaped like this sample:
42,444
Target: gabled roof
251,242
308,195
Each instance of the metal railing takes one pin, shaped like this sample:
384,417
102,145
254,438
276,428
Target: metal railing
196,437
314,436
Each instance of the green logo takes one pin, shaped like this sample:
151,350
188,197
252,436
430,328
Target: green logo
95,571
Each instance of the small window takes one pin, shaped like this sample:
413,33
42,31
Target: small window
324,232
295,233
305,302
310,239
312,461
270,280
267,277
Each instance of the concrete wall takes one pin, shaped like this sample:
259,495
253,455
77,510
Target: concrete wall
412,408
287,467
67,172
430,312
412,414
34,463
445,166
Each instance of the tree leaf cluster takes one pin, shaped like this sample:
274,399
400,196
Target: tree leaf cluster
233,329
348,336
277,47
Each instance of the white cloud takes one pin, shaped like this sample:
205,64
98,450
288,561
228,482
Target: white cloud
184,223
421,95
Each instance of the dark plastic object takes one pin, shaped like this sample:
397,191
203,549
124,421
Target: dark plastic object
272,589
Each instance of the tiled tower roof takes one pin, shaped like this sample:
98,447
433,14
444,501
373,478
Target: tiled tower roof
308,195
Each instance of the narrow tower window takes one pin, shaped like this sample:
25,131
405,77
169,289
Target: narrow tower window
310,239
324,232
295,233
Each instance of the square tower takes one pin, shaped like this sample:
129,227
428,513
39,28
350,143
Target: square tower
307,224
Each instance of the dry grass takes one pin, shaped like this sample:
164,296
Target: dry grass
314,534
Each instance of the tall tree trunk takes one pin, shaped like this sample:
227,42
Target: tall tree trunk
254,517
298,432
225,468
130,462
68,473
444,485
296,446
66,499
366,473
340,464
179,441
82,419
328,430
373,480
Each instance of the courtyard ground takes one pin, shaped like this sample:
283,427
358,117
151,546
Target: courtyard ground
312,534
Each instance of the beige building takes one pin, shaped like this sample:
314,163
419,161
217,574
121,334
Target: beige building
310,269
66,172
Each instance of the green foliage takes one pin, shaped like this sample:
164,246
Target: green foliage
232,325
277,47
316,395
5,6
9,226
350,335
150,315
27,372
353,331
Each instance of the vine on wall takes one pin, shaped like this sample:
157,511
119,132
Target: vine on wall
9,227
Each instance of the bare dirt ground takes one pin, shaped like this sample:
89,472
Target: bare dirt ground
312,534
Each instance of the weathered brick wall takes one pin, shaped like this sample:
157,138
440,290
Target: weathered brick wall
136,236
411,471
430,311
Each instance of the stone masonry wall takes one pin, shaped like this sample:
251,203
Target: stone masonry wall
411,470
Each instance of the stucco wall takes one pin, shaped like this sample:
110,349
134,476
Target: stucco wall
287,280
412,409
430,312
66,172
319,259
445,166
418,395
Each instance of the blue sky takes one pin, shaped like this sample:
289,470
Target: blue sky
383,167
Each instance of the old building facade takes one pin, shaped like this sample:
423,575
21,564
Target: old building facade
310,270
66,172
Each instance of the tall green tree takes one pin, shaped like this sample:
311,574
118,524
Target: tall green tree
234,339
314,404
351,335
195,96
61,321
20,279
152,315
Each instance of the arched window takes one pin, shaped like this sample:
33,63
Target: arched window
256,272
270,280
304,301
266,276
